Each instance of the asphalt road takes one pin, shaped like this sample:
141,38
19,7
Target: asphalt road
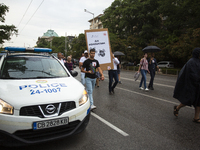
133,119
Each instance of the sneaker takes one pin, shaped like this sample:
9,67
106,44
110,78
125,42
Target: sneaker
151,88
146,89
93,107
120,82
113,91
141,88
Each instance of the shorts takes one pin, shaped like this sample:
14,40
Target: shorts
118,71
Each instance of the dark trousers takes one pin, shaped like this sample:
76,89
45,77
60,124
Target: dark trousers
112,74
152,74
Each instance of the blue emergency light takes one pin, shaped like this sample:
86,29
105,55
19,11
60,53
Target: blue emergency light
28,49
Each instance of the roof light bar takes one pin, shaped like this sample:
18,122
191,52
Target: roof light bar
28,49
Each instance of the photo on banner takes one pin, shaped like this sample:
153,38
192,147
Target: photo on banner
98,39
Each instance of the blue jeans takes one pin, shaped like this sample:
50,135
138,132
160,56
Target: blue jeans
90,84
143,73
112,74
83,78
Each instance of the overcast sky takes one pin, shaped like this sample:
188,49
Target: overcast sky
62,16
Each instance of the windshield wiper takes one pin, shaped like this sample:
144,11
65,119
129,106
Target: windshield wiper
40,77
48,73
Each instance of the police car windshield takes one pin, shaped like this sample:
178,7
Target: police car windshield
32,67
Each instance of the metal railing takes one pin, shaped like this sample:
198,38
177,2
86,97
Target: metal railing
169,71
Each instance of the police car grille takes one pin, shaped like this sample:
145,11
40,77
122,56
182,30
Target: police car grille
45,134
66,106
31,111
35,111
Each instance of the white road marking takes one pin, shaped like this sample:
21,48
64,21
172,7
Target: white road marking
131,74
156,78
109,124
160,99
146,82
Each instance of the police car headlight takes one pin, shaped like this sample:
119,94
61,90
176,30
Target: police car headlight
5,108
84,98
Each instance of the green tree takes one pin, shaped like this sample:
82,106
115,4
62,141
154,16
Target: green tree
57,44
133,17
6,31
116,43
180,29
172,25
78,46
43,43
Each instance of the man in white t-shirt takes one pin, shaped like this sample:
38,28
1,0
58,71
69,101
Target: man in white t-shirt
81,61
113,74
60,57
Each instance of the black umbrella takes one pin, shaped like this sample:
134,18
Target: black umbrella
118,53
150,49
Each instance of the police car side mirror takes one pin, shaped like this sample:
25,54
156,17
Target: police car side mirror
74,73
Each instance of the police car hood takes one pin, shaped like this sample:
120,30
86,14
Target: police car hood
19,93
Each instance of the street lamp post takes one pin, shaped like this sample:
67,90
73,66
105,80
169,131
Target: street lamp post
92,14
65,43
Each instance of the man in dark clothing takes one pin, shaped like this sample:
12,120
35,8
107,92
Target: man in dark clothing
152,68
187,89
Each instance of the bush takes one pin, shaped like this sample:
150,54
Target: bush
170,71
131,68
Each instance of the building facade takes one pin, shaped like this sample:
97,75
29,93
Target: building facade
97,22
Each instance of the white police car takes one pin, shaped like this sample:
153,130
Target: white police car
39,98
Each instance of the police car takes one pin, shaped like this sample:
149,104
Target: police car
39,99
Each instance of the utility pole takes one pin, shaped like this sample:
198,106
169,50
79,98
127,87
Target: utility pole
65,43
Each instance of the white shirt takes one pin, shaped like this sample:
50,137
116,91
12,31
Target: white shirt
62,62
115,63
82,61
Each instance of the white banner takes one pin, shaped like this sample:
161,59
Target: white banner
100,42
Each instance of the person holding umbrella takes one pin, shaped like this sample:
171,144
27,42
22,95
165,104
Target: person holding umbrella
152,63
152,68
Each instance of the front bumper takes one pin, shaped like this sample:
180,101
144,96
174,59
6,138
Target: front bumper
24,137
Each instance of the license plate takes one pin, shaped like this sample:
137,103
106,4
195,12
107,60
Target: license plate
50,123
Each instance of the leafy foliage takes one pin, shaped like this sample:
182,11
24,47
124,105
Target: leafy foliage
172,25
57,44
75,48
6,31
78,46
43,44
